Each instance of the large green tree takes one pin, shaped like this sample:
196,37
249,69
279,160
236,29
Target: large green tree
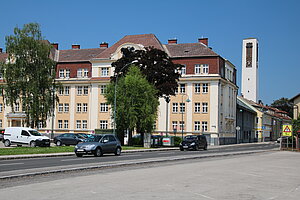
29,74
155,64
284,104
137,103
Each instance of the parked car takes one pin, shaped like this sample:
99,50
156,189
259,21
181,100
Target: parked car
98,145
194,142
27,136
68,139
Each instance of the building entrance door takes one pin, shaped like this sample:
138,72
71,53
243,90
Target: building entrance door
15,123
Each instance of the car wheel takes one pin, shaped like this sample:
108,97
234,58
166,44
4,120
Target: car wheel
205,147
79,155
98,152
58,143
181,149
7,143
196,148
32,144
118,151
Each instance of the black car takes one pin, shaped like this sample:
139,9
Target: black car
69,139
194,142
98,145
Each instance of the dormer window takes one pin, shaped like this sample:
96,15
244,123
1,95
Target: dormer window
61,73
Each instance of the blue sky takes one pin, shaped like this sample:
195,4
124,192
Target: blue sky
225,22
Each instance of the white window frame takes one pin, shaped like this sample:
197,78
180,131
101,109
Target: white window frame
17,107
197,125
103,107
174,125
197,87
103,89
84,124
104,71
79,90
183,70
78,124
204,107
197,69
103,124
182,107
60,107
78,108
85,107
66,124
1,107
85,90
182,88
61,91
79,73
181,125
85,73
204,126
60,123
1,123
67,90
175,107
66,108
205,88
197,107
205,68
61,73
68,72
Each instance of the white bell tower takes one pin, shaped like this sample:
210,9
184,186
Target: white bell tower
250,69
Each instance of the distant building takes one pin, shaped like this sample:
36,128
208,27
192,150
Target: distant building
296,107
269,120
250,75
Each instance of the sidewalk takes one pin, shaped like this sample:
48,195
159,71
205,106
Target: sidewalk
9,157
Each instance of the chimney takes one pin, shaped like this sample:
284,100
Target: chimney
104,45
55,45
203,41
75,46
0,50
172,41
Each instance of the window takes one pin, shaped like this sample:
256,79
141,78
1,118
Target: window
79,73
66,107
205,88
104,71
61,91
197,88
197,69
66,124
60,107
197,107
103,124
60,124
86,73
182,88
1,107
67,90
182,107
78,124
84,124
176,90
61,73
205,69
1,124
68,73
174,125
103,107
79,90
197,125
17,107
204,107
204,126
181,125
85,90
175,107
78,107
102,89
183,70
85,107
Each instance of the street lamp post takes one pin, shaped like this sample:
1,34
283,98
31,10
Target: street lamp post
182,125
115,97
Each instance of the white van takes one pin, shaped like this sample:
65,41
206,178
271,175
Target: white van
24,136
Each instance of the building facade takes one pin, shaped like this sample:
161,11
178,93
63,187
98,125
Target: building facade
296,106
208,82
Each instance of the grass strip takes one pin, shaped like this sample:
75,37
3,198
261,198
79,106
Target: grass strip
45,150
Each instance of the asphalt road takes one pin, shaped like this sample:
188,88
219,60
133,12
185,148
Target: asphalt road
23,167
262,176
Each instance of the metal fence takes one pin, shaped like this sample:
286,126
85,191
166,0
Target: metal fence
290,143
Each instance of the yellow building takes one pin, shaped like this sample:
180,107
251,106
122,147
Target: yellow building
296,108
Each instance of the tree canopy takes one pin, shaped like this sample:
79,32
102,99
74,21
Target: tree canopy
284,104
29,74
155,64
137,103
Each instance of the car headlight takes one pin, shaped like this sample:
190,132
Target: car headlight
76,147
193,144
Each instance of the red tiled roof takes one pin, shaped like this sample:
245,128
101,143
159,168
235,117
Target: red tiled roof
75,55
3,57
189,50
146,40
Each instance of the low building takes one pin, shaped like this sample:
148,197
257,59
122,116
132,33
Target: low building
296,106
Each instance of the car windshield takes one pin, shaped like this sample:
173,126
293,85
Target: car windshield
190,137
94,138
35,133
